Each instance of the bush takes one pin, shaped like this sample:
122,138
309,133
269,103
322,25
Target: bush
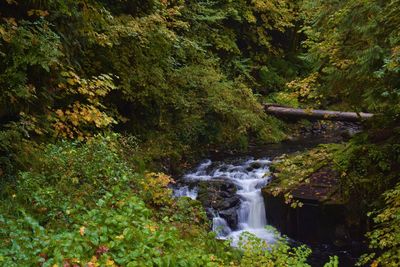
118,231
70,173
258,253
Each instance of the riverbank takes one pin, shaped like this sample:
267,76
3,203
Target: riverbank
306,202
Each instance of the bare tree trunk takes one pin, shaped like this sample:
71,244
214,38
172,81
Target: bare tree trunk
316,114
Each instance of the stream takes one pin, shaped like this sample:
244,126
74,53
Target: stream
249,176
244,209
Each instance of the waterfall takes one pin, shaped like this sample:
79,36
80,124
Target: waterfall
220,227
185,191
249,176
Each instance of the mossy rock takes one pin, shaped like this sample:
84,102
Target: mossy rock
220,195
309,175
304,199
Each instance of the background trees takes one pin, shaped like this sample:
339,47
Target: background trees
179,71
353,47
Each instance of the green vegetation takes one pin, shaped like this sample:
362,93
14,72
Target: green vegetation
291,171
353,47
83,204
257,253
176,79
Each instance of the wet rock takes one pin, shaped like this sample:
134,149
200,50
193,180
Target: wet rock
219,195
228,203
230,215
254,165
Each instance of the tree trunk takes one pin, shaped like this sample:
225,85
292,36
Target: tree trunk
316,114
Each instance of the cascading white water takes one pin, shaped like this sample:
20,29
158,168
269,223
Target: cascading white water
185,191
249,176
220,227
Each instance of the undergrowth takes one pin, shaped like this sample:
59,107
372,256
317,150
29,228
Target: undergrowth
86,204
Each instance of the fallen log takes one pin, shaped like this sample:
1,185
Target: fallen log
316,114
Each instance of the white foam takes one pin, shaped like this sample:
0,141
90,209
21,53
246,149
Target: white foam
249,176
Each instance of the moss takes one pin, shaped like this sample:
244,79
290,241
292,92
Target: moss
306,175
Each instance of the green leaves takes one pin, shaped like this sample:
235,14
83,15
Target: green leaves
27,47
349,41
386,234
259,253
105,218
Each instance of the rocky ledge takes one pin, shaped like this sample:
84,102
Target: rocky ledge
304,201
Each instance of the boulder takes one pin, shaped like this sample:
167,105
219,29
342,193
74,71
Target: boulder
230,216
219,195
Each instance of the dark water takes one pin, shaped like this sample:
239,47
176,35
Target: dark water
274,150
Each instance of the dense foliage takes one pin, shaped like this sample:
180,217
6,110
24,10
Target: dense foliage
72,68
178,77
83,204
353,47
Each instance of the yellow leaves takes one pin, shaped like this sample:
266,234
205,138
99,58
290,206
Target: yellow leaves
262,5
93,262
343,64
92,89
152,228
38,13
308,111
110,262
275,14
11,22
75,260
2,31
82,230
396,51
80,118
120,237
7,31
162,179
250,17
10,2
156,185
394,61
306,89
71,81
103,39
59,113
73,121
31,123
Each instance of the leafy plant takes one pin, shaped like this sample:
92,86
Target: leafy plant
259,253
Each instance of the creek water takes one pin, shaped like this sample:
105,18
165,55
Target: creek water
249,175
250,172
